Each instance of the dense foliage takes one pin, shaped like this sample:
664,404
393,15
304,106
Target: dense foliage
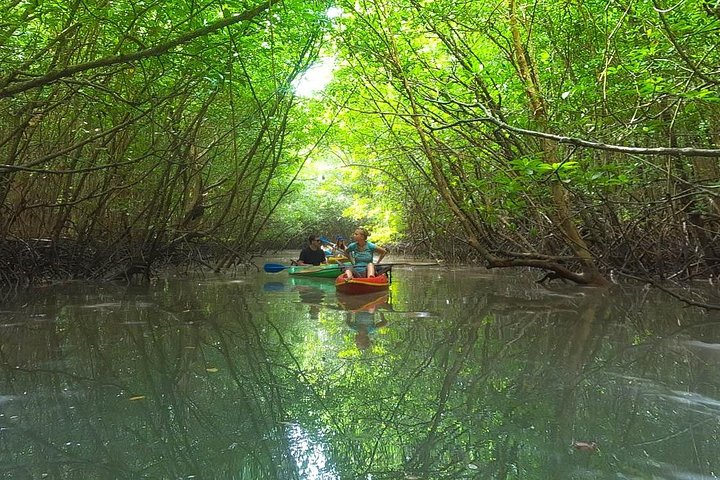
129,131
572,137
544,134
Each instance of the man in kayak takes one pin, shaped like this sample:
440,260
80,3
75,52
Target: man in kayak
313,253
362,253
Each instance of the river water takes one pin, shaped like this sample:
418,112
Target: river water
456,373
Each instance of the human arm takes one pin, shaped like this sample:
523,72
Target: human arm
301,258
348,252
381,253
305,257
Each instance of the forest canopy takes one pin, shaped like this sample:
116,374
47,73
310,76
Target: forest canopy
577,138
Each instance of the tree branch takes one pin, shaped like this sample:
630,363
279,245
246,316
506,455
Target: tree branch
55,75
677,151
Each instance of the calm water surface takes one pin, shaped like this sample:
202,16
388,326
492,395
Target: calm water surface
455,374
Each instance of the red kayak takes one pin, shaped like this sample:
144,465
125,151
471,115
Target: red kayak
358,285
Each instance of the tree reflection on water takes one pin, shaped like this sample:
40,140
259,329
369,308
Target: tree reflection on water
461,375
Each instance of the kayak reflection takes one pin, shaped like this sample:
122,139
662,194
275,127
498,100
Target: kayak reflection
364,314
312,292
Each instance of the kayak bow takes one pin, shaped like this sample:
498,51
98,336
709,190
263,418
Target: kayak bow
359,285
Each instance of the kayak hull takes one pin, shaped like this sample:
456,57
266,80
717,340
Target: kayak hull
337,259
360,285
322,271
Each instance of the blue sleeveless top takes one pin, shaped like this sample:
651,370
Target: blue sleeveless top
364,256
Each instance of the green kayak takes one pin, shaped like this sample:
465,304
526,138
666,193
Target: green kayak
322,271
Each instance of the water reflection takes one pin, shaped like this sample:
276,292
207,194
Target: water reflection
311,292
364,315
468,375
309,454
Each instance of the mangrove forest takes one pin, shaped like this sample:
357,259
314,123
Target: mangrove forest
578,139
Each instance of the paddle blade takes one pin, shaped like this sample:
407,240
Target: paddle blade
274,267
326,241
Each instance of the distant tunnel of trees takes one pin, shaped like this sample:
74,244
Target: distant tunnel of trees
576,138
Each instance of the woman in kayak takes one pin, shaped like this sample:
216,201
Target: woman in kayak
362,253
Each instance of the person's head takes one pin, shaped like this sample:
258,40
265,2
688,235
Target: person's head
360,234
314,242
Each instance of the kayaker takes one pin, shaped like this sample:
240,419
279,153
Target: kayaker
338,251
340,246
362,253
313,253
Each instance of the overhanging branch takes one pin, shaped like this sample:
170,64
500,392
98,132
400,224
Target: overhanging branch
677,151
55,75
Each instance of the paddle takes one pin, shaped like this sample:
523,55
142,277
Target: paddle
327,240
276,267
408,264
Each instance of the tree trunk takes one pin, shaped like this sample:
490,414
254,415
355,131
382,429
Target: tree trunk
562,216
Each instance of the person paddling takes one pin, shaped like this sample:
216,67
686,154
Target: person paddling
362,254
312,254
